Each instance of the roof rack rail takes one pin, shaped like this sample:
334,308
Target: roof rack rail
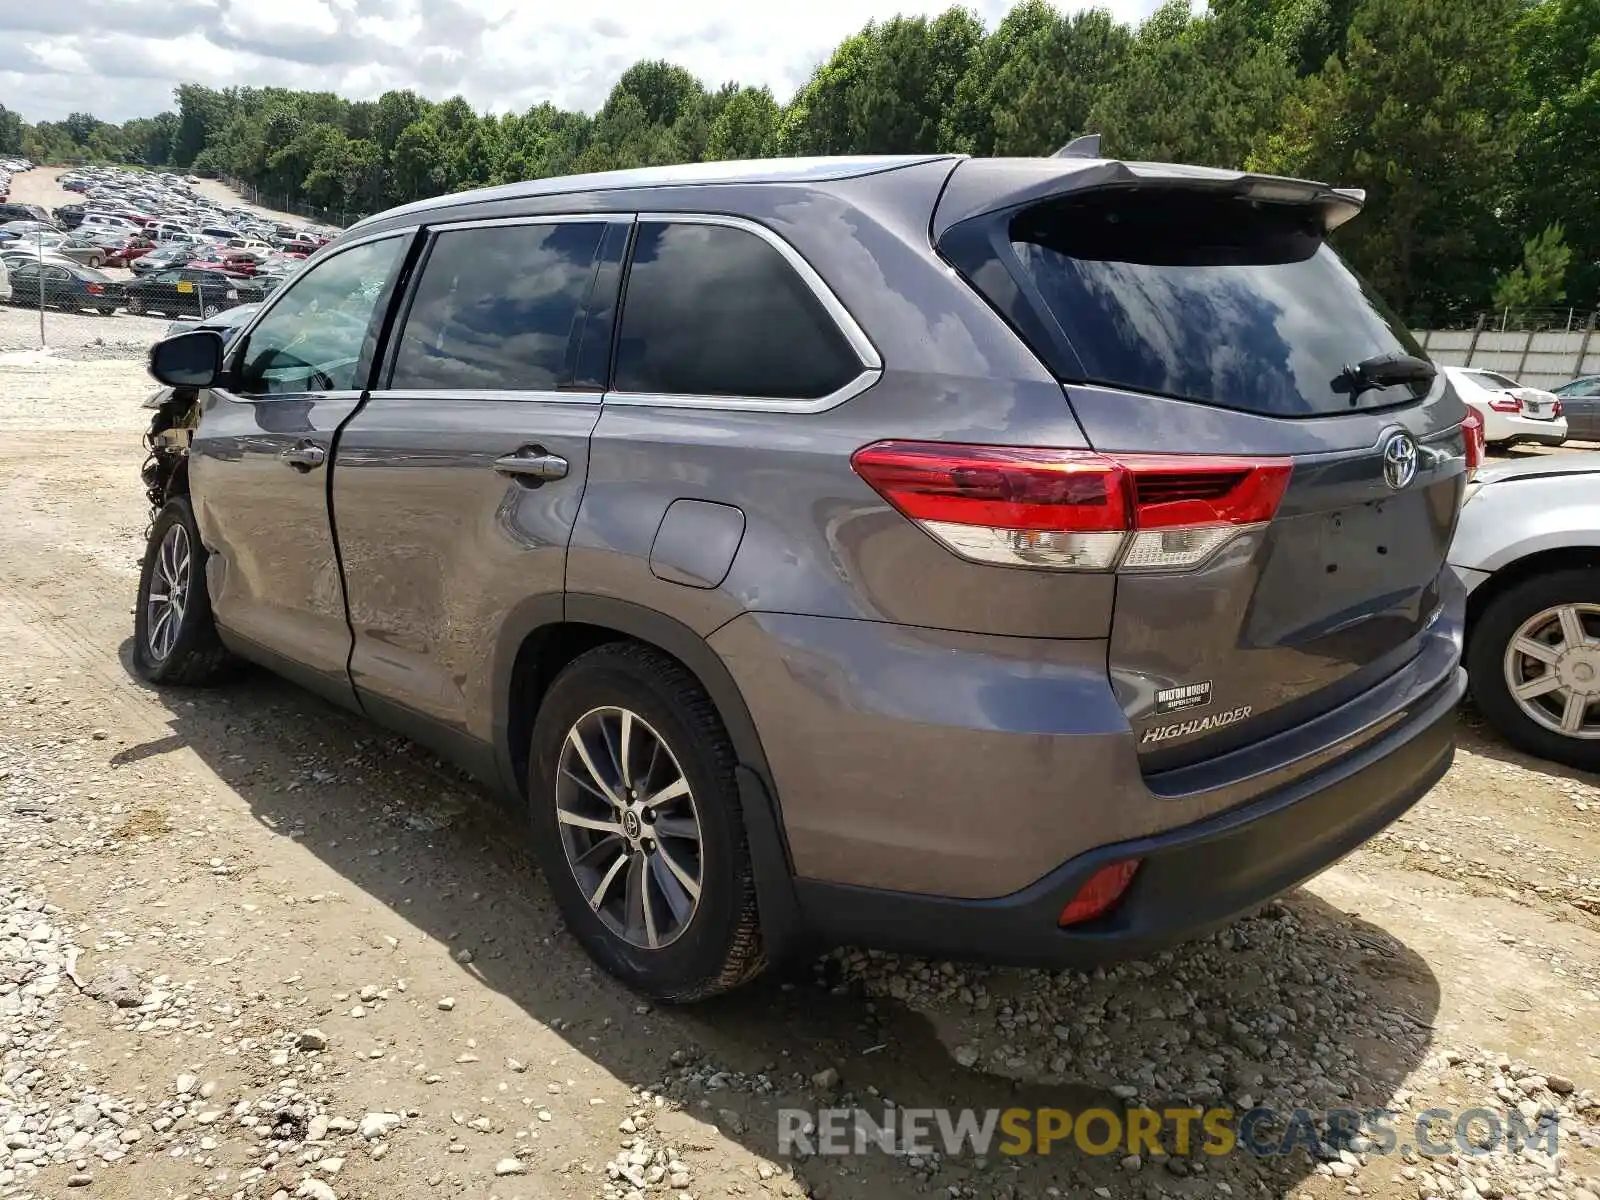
1084,146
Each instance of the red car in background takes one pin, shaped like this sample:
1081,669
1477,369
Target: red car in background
124,253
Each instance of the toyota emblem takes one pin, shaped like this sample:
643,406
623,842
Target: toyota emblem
1399,460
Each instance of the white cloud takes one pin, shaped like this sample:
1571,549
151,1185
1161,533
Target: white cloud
122,58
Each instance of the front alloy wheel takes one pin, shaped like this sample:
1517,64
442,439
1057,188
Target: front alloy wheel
168,594
629,827
175,639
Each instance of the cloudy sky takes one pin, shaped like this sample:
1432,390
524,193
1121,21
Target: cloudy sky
121,58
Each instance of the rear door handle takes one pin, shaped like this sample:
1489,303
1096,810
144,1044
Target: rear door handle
539,466
304,456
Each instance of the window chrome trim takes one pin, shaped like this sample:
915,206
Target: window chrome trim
766,404
562,218
523,396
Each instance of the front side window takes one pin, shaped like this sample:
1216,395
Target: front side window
713,310
314,337
496,308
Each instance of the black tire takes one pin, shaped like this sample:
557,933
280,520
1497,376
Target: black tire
196,654
108,312
94,261
719,947
1496,626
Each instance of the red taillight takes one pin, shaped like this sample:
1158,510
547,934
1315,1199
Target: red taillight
95,289
1074,509
1558,410
1472,434
1099,893
1506,404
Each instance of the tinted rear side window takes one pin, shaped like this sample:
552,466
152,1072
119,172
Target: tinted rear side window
496,308
711,310
1218,299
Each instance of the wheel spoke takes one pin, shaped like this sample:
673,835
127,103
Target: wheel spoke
588,765
611,841
1572,632
598,896
1548,682
1572,715
158,631
678,900
572,818
651,936
587,786
676,827
633,905
1538,650
678,787
682,876
626,748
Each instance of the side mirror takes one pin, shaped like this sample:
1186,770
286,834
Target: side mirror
192,359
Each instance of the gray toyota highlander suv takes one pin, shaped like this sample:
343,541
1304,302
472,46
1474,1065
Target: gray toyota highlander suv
1035,559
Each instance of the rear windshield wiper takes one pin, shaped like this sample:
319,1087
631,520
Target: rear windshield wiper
1382,370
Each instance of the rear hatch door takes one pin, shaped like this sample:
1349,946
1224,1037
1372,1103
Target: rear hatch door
1205,314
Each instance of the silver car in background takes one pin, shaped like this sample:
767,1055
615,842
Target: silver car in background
1528,550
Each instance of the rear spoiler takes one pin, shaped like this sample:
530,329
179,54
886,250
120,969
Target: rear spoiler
980,186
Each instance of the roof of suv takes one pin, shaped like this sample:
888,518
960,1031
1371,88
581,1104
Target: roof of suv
981,185
762,170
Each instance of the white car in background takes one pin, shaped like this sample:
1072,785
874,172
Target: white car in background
5,284
1527,549
1511,413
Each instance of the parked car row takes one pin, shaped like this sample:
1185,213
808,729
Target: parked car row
191,257
177,292
8,168
1514,414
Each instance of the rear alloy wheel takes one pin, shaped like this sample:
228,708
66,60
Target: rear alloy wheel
209,311
638,825
94,261
135,305
174,637
1535,666
629,827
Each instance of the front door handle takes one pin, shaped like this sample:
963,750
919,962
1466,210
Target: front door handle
304,456
538,466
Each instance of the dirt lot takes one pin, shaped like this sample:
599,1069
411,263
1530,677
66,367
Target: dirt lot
253,946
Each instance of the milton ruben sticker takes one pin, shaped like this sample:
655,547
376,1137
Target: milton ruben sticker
1180,699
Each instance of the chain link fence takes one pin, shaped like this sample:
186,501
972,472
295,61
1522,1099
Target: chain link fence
339,218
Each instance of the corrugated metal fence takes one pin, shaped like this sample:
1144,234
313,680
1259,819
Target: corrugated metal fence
1538,358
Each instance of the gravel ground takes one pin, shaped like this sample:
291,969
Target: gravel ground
254,947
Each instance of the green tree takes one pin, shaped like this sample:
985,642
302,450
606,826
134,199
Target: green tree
661,88
1416,113
1556,67
1193,90
417,168
10,131
1541,279
745,126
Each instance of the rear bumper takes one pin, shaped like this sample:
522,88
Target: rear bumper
1510,430
1193,878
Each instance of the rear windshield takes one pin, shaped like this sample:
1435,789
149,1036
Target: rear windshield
1219,299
